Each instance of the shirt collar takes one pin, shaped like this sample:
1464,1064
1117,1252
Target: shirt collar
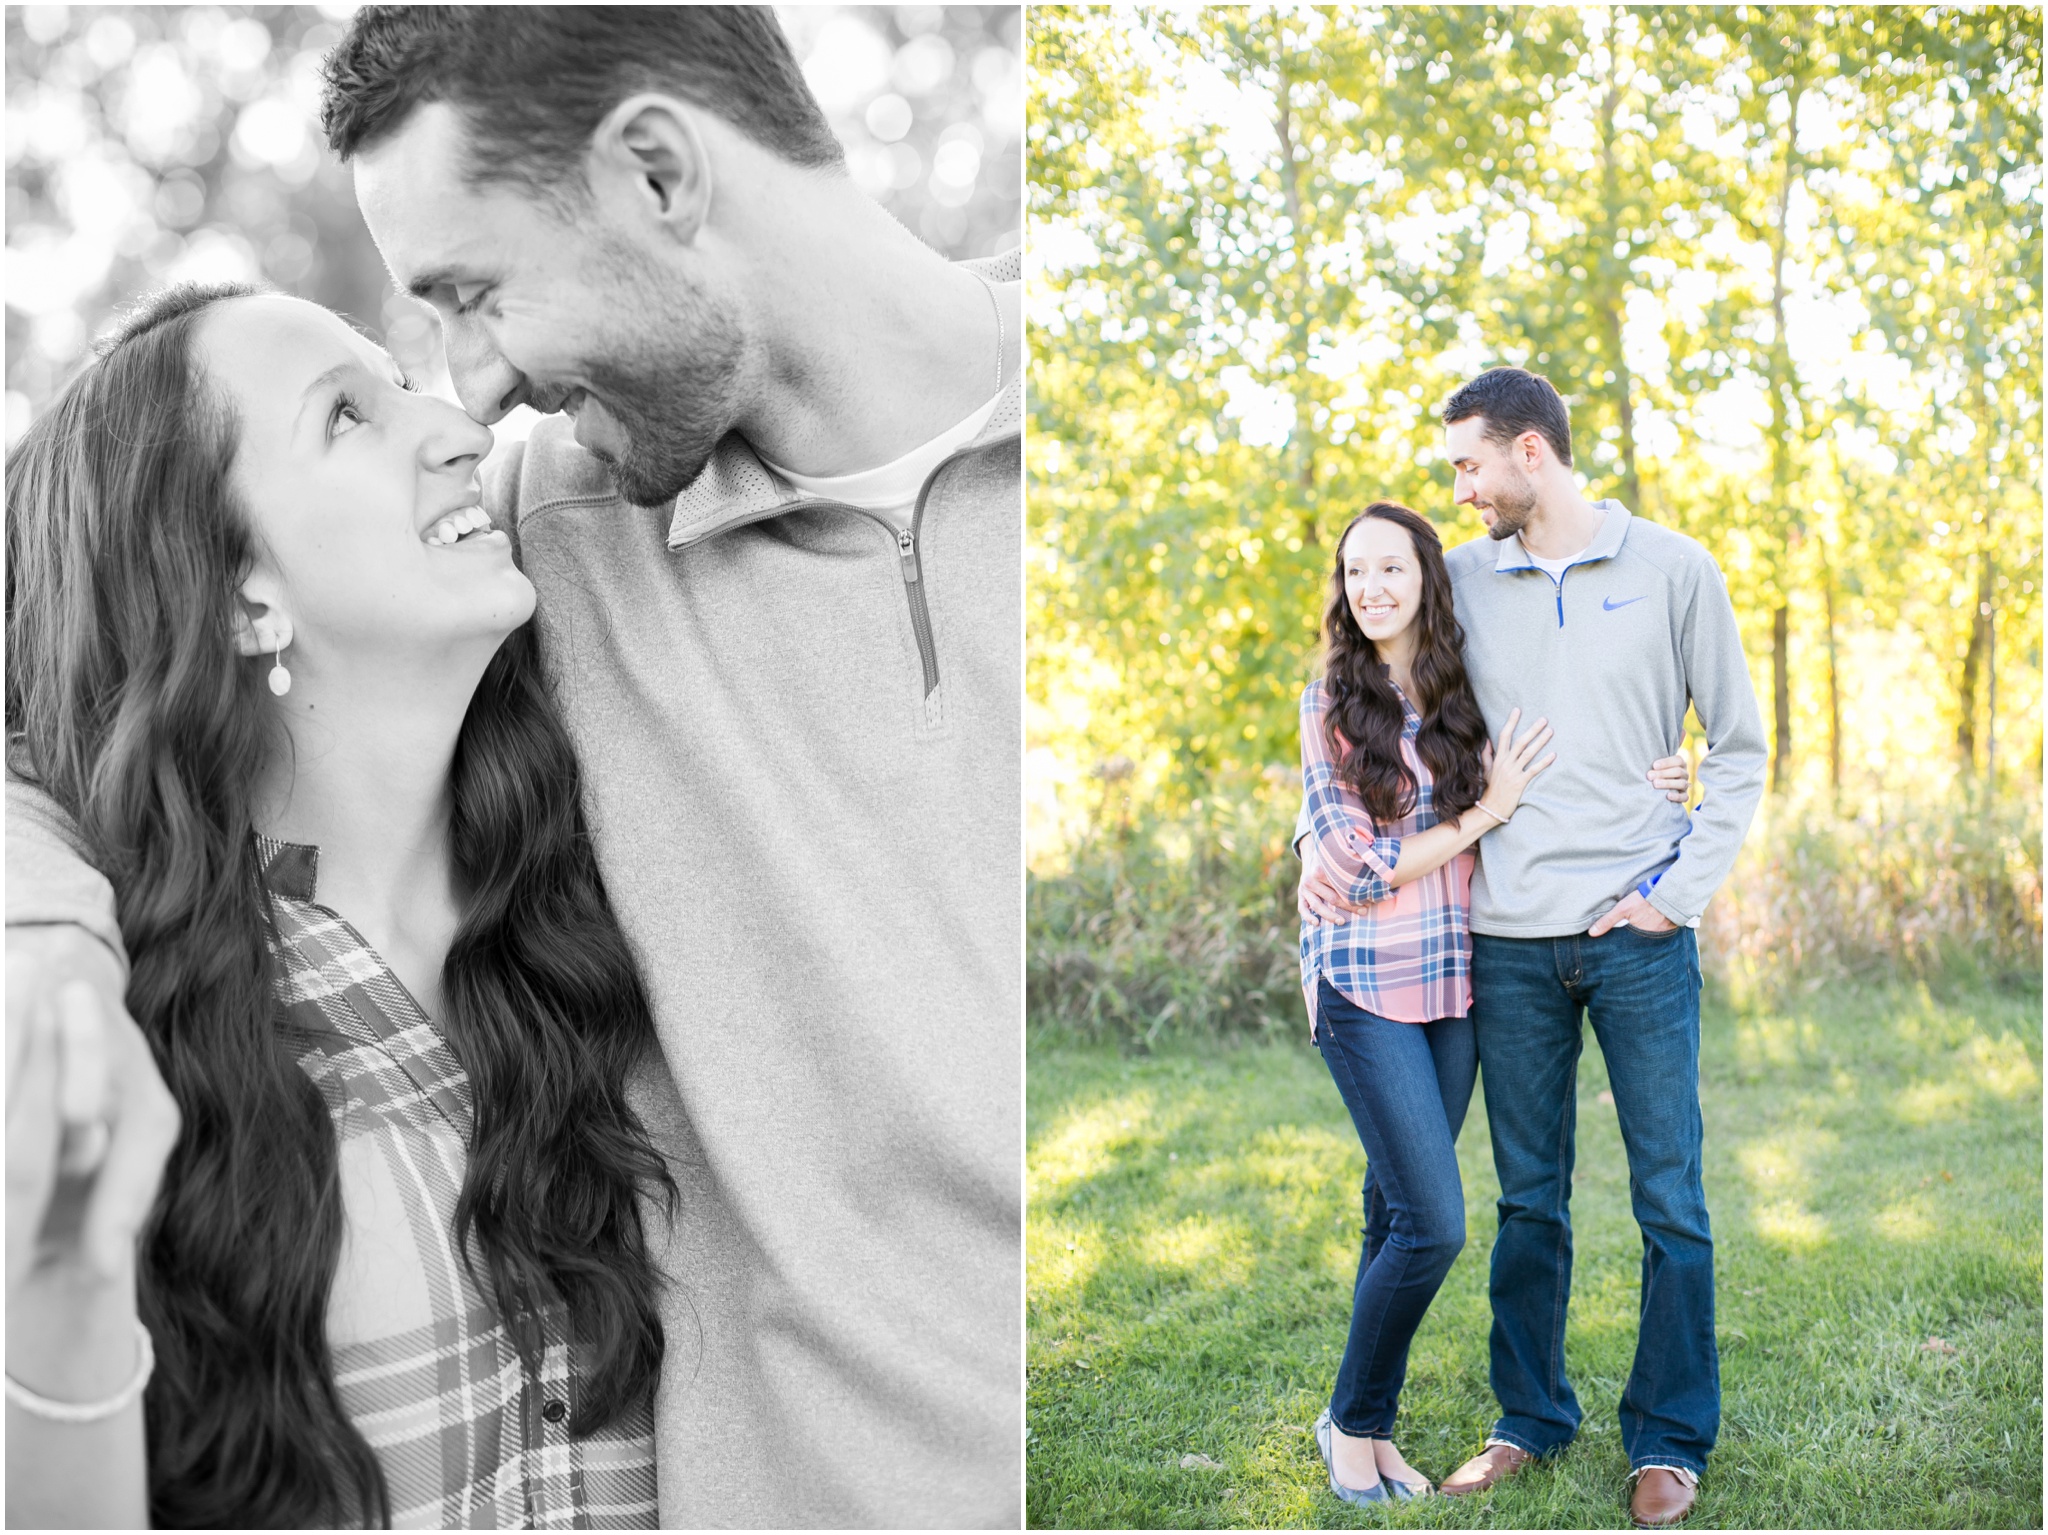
290,870
1606,543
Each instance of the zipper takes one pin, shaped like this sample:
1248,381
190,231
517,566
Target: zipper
913,589
907,563
907,556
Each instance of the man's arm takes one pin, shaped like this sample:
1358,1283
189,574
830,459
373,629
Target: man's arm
49,882
1732,773
1316,895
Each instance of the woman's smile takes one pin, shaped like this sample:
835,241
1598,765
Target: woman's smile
466,525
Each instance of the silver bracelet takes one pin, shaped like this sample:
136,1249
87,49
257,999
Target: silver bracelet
90,1412
1484,811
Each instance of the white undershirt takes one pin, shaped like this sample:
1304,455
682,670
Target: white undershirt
1555,567
890,490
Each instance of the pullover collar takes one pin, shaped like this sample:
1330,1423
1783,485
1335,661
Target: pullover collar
1606,543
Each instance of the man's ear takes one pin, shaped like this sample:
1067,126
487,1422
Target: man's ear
1531,445
652,142
262,627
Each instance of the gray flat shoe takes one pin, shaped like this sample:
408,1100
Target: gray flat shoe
1406,1492
1377,1493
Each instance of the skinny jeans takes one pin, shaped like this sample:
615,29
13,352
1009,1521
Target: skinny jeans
1407,1086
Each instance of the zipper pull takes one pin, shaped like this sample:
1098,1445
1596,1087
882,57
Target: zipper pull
906,544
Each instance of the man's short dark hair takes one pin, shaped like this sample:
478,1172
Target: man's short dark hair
532,83
1513,401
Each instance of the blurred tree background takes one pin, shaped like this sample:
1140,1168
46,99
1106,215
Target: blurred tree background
1782,262
149,144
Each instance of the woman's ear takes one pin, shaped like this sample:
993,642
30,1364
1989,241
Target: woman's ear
262,627
650,145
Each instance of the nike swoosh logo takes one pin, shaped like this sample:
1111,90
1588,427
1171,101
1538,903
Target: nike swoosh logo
1610,604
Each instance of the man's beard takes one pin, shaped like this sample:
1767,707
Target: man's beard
672,388
673,415
1511,509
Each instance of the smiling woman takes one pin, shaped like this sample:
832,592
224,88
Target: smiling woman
241,479
354,485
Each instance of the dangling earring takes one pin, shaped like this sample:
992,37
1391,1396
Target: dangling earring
280,679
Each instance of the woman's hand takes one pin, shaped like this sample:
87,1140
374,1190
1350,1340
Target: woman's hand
1512,762
89,1128
1671,775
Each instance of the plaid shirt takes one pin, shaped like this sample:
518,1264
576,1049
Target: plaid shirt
1409,955
425,1369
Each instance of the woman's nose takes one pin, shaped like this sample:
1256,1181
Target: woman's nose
454,439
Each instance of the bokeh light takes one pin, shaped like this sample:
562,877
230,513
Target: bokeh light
154,144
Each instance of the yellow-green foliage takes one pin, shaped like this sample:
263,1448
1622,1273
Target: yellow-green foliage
1783,263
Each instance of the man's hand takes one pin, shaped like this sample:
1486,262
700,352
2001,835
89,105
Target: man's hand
1318,897
1632,911
1673,777
90,1121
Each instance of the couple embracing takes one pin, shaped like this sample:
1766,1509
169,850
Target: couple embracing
1503,698
513,976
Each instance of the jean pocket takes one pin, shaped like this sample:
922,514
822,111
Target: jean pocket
1658,937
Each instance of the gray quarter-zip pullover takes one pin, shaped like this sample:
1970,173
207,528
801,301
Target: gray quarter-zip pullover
1611,652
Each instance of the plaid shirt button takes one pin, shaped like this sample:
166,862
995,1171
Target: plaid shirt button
555,1412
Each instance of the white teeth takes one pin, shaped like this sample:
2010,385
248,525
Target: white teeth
450,529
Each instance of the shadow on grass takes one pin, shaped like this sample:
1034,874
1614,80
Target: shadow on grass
1873,1169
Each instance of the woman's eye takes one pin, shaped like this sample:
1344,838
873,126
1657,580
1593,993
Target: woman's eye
345,410
468,305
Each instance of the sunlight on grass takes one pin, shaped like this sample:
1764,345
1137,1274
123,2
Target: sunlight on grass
1203,1252
1772,1039
1289,1167
1082,1144
1998,1067
1906,1220
2003,1065
1780,1169
1782,1164
1788,1224
1062,1259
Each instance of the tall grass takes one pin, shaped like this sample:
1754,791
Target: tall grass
1159,927
1918,891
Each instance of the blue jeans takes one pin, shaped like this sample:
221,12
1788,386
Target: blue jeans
1407,1086
1642,991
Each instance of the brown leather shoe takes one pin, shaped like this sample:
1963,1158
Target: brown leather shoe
1662,1497
1495,1463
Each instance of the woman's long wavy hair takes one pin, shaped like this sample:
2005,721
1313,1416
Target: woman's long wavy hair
1364,715
128,702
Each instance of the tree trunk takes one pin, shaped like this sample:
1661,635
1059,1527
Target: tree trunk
1966,686
1834,686
1304,397
1988,608
1615,274
1781,698
1782,427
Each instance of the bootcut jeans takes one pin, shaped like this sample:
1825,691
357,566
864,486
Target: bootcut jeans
1641,991
1407,1086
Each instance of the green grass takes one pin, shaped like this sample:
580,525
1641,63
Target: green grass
1873,1169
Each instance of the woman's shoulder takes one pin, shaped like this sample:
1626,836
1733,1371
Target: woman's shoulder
1313,695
